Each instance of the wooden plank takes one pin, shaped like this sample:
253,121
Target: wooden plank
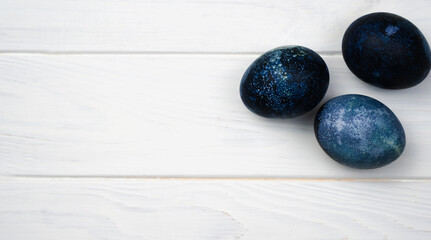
175,115
188,26
246,210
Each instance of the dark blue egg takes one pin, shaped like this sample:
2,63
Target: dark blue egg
359,131
285,82
387,51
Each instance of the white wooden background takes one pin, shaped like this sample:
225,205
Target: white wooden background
121,119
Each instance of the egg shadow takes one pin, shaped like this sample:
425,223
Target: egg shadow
307,138
305,121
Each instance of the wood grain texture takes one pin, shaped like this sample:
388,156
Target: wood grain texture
188,26
151,103
246,210
175,115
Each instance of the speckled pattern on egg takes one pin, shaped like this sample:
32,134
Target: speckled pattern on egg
359,131
387,51
285,82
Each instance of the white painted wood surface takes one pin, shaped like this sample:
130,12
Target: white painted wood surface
175,115
172,209
188,25
97,97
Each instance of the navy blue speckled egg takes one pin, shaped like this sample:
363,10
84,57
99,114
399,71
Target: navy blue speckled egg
359,131
285,82
387,51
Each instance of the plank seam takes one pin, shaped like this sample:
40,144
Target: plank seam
13,52
208,178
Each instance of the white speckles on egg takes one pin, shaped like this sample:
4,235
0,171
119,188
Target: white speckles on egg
287,86
359,131
339,122
391,30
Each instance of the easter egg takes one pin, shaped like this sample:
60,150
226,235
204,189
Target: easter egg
285,82
387,51
359,131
